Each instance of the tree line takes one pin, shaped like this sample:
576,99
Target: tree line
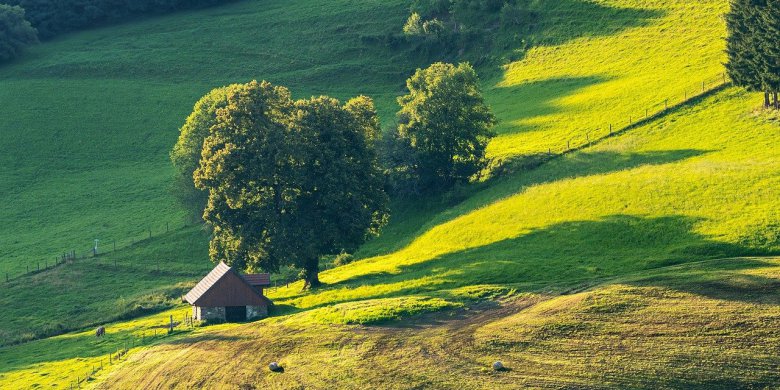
286,182
752,47
23,22
54,17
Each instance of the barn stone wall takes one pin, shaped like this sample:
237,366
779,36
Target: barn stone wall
202,313
255,312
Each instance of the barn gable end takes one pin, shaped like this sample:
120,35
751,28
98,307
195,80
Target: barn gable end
223,293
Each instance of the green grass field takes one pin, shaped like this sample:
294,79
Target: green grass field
636,261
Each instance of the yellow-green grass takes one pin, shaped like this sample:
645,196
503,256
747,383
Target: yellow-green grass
706,325
699,183
631,56
63,361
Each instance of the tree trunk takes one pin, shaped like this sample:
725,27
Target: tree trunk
767,104
312,274
777,103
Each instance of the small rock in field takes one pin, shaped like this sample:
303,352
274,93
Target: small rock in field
275,367
498,366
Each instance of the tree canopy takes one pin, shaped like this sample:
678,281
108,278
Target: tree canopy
754,56
446,123
290,182
186,153
15,32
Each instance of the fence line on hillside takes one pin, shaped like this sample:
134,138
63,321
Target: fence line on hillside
124,344
596,134
94,252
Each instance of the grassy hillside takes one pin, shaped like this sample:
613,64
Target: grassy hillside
89,118
592,269
702,325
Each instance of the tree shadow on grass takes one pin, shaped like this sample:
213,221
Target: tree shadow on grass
554,23
411,219
534,99
556,257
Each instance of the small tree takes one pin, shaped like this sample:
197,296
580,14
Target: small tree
447,123
290,182
413,26
15,32
186,154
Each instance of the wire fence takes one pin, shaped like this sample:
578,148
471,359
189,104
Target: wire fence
588,137
97,248
124,344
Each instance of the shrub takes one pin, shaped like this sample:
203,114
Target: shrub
413,26
15,32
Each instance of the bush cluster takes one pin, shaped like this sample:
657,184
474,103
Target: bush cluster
16,33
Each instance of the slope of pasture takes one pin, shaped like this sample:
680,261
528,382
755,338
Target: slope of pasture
701,182
705,325
568,273
601,62
88,119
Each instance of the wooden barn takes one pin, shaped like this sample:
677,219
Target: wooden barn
226,295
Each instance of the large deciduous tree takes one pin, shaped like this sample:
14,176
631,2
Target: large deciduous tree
15,32
290,182
447,124
753,52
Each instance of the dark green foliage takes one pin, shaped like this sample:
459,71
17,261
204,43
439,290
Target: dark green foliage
290,181
186,154
463,15
446,123
54,17
15,32
754,56
442,30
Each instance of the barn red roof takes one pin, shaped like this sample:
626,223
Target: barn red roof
223,286
258,280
